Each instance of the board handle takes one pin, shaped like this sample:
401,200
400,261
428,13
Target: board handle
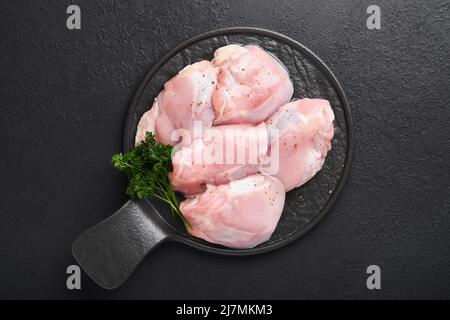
111,250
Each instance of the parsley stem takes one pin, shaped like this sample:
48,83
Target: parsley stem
148,165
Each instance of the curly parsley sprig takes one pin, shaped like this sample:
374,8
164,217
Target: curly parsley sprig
148,165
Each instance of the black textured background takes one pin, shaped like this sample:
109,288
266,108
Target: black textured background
64,95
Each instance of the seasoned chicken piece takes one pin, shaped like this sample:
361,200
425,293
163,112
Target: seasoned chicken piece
252,85
186,98
223,154
305,130
240,214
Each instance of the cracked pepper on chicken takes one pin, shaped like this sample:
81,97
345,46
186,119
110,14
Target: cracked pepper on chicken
239,143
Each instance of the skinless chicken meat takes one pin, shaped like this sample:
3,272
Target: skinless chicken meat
240,214
305,132
186,98
227,153
255,144
251,86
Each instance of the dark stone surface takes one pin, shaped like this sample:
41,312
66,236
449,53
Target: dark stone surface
305,206
64,95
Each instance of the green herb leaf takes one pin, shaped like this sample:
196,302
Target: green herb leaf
148,165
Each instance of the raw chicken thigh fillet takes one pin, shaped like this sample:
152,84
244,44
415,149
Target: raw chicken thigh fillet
191,178
186,98
239,99
252,85
240,214
305,129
